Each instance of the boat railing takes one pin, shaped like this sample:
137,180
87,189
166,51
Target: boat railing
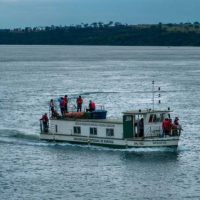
73,108
44,127
100,107
157,131
176,131
153,131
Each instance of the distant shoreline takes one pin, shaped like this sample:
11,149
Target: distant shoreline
112,34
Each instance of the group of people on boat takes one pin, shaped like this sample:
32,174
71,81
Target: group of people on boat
63,104
169,127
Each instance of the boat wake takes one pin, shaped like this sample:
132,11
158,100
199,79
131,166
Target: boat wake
18,137
13,133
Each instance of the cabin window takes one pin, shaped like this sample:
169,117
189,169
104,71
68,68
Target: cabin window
109,132
159,118
162,117
152,118
93,131
156,118
77,130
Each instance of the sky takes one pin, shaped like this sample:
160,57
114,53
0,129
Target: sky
32,13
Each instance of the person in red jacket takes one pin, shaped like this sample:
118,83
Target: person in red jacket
79,102
45,121
167,125
92,106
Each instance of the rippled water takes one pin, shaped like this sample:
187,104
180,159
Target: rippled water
119,78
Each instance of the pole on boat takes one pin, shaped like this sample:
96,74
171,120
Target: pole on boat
159,101
153,94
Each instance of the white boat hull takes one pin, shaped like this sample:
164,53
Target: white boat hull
167,141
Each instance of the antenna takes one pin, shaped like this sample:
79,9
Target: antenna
153,95
159,101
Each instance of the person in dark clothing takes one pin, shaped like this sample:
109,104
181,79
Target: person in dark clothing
176,128
176,121
62,106
66,103
52,107
141,127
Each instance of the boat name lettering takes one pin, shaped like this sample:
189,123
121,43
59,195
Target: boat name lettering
139,143
94,140
94,124
81,139
159,142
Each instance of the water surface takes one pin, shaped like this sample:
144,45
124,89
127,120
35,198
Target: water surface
119,78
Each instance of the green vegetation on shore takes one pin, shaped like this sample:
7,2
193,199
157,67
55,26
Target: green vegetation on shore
183,34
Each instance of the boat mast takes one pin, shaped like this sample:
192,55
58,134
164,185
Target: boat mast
153,95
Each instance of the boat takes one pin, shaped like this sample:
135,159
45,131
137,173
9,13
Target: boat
136,128
93,128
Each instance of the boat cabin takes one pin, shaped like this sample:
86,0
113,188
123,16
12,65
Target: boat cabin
143,123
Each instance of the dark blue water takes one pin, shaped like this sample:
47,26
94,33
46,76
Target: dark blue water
119,78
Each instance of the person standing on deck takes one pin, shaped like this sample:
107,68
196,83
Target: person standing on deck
45,121
165,126
141,127
79,102
62,106
66,103
176,121
176,129
52,107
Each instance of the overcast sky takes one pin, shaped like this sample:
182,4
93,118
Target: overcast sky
23,13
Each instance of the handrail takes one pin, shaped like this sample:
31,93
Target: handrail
155,132
44,128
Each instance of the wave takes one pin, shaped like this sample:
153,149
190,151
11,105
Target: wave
102,92
128,91
13,133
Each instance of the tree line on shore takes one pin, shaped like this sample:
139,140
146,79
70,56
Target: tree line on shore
182,34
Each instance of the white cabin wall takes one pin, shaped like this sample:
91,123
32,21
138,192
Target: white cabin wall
67,128
62,127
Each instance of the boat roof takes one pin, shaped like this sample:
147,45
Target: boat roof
111,121
139,112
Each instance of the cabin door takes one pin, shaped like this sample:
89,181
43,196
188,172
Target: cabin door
128,126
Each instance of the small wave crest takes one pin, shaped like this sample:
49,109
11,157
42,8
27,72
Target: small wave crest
98,92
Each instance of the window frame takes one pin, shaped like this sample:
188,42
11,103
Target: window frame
93,131
110,132
77,130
